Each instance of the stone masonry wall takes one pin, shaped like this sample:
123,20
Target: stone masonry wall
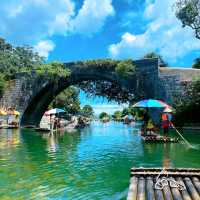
149,81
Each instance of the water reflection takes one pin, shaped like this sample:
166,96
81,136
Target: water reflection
52,143
95,161
9,138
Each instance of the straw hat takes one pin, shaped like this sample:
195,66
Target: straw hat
168,110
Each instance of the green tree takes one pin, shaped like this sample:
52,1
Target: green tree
188,109
117,116
188,12
52,70
125,68
162,63
104,115
196,64
87,110
125,112
2,84
24,59
68,100
16,59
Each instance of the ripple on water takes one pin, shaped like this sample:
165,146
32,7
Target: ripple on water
91,164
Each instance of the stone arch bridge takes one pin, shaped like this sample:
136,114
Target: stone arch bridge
31,94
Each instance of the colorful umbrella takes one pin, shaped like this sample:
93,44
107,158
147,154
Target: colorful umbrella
151,103
54,111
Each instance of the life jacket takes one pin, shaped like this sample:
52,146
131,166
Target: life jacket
164,117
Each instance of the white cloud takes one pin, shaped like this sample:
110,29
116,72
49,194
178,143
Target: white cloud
130,46
44,47
164,34
91,17
33,22
62,21
27,22
148,13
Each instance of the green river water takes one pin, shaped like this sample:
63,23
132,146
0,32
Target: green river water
91,164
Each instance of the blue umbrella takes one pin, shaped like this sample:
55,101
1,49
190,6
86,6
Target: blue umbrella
151,103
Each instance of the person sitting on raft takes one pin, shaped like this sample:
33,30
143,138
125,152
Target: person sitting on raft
150,127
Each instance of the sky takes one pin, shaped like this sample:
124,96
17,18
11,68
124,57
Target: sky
69,30
100,104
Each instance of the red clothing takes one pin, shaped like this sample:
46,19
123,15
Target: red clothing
165,120
165,124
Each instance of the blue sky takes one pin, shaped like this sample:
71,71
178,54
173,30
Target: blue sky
100,104
69,30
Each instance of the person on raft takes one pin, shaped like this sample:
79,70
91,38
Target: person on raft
150,127
165,123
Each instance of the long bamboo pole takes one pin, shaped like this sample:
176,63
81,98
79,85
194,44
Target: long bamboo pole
182,137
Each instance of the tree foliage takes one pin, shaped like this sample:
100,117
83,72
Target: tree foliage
24,59
87,110
104,115
196,64
125,68
100,63
16,59
52,70
68,100
162,63
2,84
117,115
109,90
188,12
188,109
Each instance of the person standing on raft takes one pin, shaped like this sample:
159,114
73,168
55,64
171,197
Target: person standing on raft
165,123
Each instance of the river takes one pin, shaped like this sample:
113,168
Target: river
91,164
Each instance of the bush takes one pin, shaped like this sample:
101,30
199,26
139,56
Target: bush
87,110
162,63
68,100
2,84
53,69
196,64
188,109
104,115
117,116
100,62
125,68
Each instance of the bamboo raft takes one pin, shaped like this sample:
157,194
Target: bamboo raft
142,184
9,127
42,129
159,138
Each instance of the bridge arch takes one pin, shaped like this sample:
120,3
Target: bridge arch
39,103
31,94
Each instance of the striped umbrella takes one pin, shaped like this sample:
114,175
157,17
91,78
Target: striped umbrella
151,103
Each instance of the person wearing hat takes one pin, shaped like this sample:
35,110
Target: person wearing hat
169,113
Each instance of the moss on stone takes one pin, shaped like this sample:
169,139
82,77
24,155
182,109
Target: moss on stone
125,68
